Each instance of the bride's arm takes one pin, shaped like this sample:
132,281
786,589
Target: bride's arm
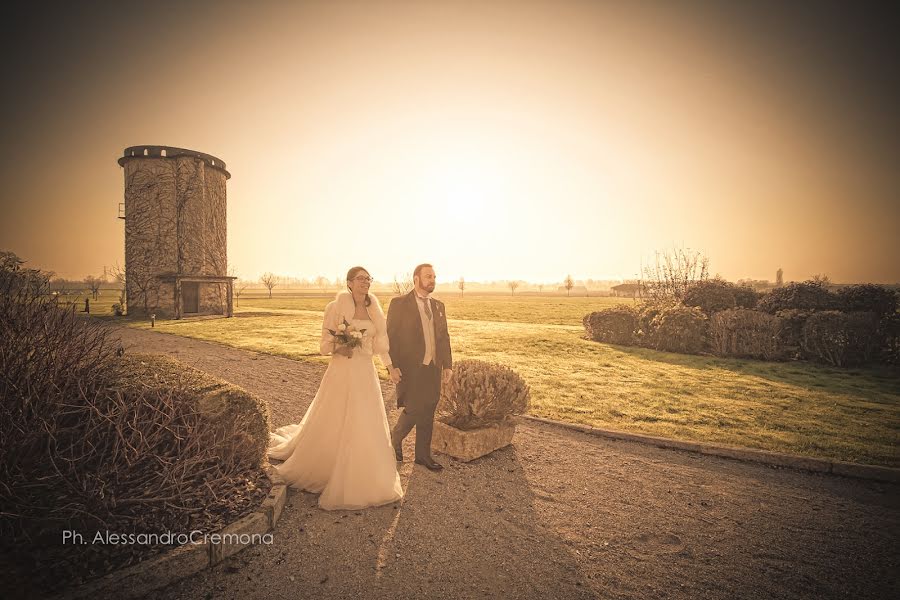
381,345
326,345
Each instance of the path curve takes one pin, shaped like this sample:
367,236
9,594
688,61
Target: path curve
560,514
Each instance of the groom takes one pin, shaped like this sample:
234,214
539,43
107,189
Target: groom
420,357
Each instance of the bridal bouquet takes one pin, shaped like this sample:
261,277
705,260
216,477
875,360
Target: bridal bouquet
347,335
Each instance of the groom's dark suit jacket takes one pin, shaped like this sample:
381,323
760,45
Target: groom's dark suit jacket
407,340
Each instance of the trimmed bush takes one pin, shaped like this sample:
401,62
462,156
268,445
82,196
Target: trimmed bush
889,328
710,296
481,393
237,420
809,295
680,329
91,440
646,326
841,339
868,297
791,333
745,296
614,325
746,333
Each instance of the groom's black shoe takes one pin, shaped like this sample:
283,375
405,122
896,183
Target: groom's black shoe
398,452
430,464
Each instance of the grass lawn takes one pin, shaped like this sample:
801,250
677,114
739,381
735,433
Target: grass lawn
101,306
541,310
845,414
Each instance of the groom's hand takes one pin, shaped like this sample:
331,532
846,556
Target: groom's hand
396,374
447,374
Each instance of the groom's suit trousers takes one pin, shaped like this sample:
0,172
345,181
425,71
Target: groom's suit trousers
423,393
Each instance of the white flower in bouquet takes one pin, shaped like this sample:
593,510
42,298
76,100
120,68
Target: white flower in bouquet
347,335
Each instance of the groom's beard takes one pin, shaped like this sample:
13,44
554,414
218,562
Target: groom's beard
428,288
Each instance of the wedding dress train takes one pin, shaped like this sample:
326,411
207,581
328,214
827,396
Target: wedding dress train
342,446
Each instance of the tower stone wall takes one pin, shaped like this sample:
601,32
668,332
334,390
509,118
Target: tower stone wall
175,231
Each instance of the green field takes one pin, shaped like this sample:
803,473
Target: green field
101,306
844,414
540,310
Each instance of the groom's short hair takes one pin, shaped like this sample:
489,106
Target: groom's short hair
418,269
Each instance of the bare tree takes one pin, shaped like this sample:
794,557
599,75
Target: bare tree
461,284
270,280
94,284
779,277
404,285
512,286
540,288
823,280
322,283
118,274
239,286
674,272
568,283
59,286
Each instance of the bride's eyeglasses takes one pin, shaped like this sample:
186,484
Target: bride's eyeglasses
363,279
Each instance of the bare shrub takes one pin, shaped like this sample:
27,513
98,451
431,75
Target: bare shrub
404,285
674,272
481,393
92,441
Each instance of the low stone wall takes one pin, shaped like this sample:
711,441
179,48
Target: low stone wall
138,581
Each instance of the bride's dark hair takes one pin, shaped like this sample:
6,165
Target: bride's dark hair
353,273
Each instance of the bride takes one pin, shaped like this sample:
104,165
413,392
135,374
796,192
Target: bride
342,446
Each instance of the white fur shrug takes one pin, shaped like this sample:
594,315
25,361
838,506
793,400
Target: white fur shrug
341,308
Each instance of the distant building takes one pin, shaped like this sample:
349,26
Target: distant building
626,290
175,233
577,290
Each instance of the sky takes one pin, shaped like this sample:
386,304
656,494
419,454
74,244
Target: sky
496,140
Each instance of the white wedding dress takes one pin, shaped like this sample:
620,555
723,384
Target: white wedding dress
342,446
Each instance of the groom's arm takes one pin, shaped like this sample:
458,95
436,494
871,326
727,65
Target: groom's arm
445,338
393,330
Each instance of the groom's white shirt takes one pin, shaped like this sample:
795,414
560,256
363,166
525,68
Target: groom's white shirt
427,327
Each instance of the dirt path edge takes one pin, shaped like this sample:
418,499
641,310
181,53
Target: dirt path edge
768,457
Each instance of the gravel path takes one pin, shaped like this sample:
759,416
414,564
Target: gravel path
559,514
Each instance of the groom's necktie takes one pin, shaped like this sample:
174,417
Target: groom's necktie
427,302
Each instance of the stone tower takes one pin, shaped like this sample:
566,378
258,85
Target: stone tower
175,233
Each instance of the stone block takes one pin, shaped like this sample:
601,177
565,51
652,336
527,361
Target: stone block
143,578
468,445
274,503
237,536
